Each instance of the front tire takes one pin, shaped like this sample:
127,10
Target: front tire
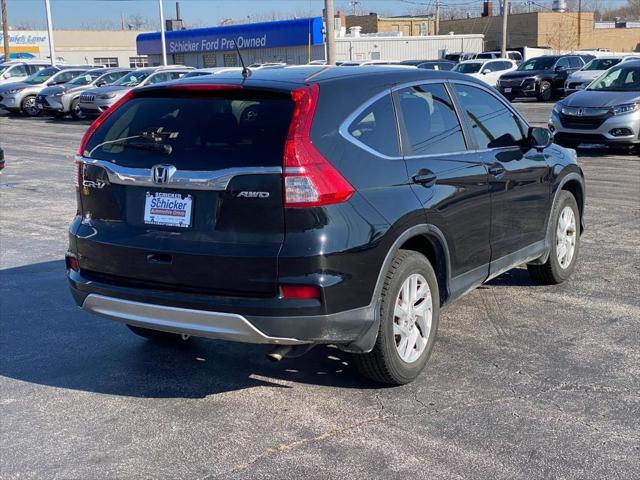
76,112
565,243
29,107
409,314
157,335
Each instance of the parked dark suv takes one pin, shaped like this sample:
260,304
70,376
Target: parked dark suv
540,77
314,205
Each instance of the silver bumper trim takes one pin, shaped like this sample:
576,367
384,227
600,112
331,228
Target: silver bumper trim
181,179
201,323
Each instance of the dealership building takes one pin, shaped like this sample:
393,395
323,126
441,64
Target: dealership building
296,42
111,48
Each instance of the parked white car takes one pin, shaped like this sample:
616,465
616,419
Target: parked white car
19,70
582,78
486,70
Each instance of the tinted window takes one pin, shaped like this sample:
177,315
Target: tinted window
196,131
65,76
472,67
575,62
42,75
111,77
376,127
563,62
539,63
493,124
430,121
601,63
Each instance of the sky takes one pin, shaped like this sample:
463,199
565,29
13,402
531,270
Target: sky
82,13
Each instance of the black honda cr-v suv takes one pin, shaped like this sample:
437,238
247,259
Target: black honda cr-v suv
314,205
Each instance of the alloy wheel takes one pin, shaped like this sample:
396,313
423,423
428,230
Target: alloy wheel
566,237
412,318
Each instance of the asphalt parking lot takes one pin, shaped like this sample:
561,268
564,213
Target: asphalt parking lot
525,381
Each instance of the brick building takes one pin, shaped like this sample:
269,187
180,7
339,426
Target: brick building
407,26
560,31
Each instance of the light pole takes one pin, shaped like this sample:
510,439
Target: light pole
52,49
162,36
505,14
330,33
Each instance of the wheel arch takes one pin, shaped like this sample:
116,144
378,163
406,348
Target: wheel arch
426,239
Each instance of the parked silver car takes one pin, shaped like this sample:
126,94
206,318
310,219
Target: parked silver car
96,100
62,99
582,78
21,96
606,112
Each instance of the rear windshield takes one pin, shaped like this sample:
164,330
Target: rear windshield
196,130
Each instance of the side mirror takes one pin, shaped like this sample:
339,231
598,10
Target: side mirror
485,71
540,138
559,68
101,84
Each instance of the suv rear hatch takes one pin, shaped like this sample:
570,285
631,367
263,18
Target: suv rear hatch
181,188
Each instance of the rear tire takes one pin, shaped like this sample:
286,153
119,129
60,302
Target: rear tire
409,313
157,335
565,243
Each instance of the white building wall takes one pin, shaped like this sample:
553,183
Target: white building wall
406,48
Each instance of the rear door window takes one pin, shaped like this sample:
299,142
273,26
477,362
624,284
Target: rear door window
376,127
196,130
430,121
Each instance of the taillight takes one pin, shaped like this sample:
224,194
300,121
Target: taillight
299,291
309,179
71,262
100,120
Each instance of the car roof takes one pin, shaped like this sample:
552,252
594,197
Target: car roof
289,78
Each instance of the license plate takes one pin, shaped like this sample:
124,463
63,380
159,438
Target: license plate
168,209
507,90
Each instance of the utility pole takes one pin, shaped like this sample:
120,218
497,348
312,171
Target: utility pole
52,49
505,15
5,30
579,21
162,36
330,32
437,25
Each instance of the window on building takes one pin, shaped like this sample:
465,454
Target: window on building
375,127
178,58
209,60
493,124
138,62
105,61
230,60
430,120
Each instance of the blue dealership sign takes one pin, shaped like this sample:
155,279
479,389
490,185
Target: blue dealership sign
303,31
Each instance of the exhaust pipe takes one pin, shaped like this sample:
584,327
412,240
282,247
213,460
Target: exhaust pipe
279,353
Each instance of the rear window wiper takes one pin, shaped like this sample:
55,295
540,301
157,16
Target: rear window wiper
154,147
155,136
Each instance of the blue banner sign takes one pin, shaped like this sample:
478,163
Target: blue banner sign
303,31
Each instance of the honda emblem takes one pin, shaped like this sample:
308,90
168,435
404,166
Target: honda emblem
162,173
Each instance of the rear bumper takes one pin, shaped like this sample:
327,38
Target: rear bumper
249,320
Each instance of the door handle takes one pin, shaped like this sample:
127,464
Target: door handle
496,170
425,177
